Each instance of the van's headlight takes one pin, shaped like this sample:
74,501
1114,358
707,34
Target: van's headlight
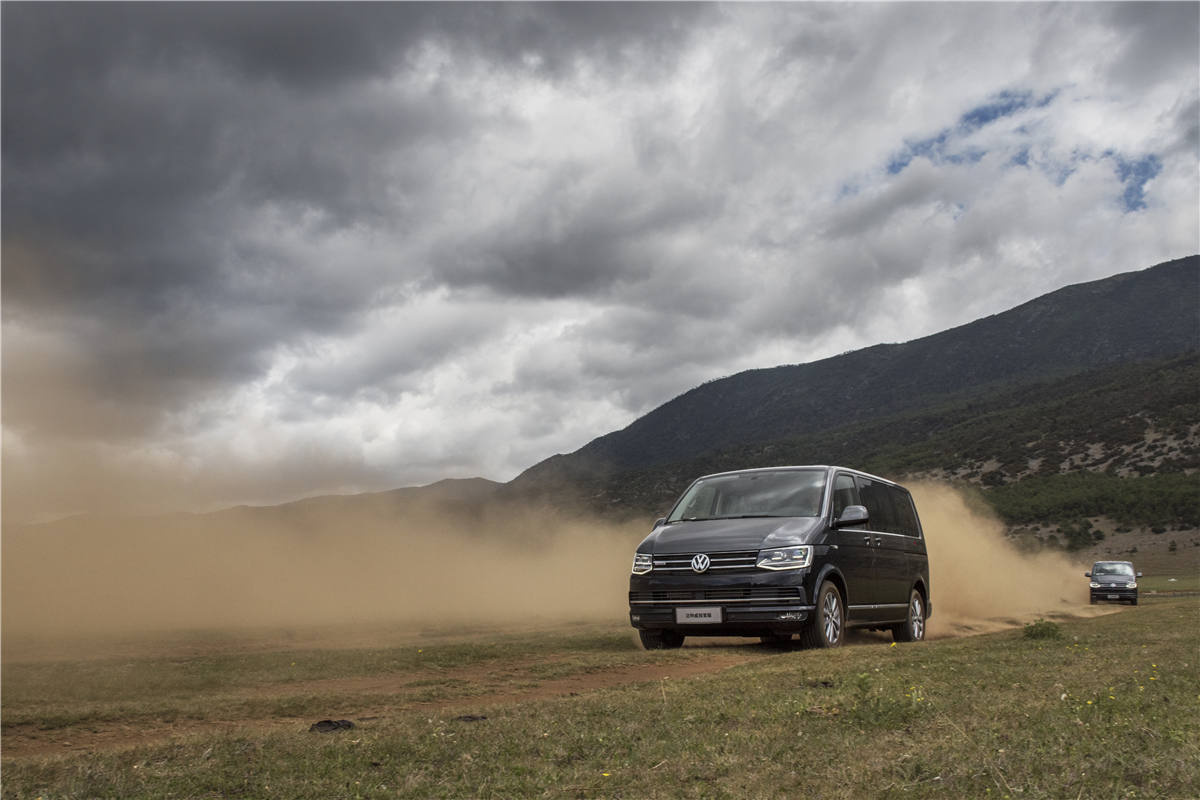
1094,585
1131,585
786,557
642,563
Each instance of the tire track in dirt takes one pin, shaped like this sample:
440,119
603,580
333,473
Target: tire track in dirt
27,741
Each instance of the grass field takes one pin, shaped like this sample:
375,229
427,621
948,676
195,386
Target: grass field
1104,707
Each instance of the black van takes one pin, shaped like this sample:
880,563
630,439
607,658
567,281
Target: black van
779,551
1113,580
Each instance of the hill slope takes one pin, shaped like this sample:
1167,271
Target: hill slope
950,403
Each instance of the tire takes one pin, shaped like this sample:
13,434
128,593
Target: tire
1092,600
913,628
828,627
661,640
1133,602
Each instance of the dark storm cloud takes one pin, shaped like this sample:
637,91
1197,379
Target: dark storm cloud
135,134
1157,38
321,45
138,138
583,232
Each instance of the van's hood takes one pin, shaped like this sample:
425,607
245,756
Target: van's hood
717,535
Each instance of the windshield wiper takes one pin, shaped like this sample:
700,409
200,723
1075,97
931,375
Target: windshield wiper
730,516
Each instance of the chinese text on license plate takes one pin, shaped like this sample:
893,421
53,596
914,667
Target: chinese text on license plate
698,616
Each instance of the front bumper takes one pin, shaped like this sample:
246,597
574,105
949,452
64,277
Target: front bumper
1115,594
748,604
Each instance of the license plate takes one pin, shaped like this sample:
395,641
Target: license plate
1114,597
705,615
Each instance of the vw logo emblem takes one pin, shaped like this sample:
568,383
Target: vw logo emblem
700,563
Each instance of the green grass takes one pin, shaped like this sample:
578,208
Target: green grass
1182,583
1109,710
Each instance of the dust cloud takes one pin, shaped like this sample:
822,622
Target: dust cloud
349,562
981,582
292,566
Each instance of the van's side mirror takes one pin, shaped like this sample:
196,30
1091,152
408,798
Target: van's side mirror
659,521
852,515
1087,574
1139,574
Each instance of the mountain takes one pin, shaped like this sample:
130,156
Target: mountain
458,501
449,496
956,377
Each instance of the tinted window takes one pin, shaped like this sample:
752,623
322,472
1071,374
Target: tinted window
906,515
844,494
879,505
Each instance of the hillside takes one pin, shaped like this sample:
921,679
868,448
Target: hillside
1129,420
1099,377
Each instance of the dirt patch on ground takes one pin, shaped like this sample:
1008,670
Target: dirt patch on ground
383,697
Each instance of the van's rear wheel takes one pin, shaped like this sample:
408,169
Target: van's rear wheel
829,621
661,640
913,628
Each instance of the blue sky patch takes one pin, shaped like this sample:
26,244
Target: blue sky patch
1135,175
1004,104
930,148
940,148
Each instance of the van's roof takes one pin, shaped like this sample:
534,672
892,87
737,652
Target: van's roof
826,467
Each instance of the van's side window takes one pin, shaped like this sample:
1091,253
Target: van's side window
879,505
906,515
844,494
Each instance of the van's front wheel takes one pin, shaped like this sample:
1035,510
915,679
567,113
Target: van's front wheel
913,628
829,622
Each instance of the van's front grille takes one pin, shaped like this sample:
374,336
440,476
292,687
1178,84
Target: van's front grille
718,562
747,594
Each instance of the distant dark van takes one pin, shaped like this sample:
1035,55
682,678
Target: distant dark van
780,551
1113,580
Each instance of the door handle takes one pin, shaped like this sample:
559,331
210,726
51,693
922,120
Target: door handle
867,541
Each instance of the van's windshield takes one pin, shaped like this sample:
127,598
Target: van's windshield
1112,568
769,493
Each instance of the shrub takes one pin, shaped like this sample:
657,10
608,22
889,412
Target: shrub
1043,629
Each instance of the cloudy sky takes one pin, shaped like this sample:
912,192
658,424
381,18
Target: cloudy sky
253,252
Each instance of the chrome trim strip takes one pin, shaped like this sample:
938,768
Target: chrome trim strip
710,569
711,602
882,605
